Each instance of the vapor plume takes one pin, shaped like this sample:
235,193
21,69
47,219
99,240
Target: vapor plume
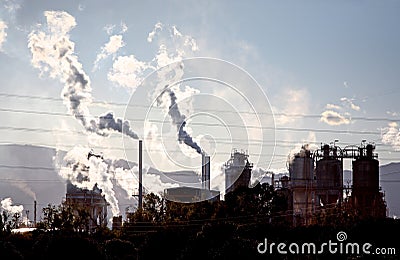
179,121
53,53
85,172
7,205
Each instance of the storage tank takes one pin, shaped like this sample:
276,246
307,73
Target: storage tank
301,170
329,176
366,171
366,197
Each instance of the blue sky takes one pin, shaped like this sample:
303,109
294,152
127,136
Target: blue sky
336,63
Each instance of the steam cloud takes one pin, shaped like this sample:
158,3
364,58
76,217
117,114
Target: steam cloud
7,205
3,34
53,53
107,174
179,121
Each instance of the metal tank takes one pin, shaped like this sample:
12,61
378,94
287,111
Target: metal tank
301,170
366,171
329,176
366,196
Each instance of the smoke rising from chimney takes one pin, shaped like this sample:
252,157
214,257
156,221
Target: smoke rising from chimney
179,121
53,53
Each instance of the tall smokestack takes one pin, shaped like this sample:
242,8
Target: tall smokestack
34,213
140,176
205,171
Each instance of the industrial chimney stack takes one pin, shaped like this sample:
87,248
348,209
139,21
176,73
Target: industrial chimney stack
140,176
205,172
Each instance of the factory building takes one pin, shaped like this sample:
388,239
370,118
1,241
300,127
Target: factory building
92,201
194,194
237,171
315,182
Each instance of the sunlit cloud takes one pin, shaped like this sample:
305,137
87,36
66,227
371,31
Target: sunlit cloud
110,48
349,102
3,33
334,118
391,135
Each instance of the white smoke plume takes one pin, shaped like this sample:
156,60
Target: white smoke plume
7,205
110,48
127,72
391,135
3,33
23,186
86,171
53,53
307,144
151,182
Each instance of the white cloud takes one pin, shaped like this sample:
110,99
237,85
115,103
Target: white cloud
331,117
110,48
392,113
127,71
3,33
124,27
12,6
81,7
291,102
157,27
333,106
349,102
109,28
391,135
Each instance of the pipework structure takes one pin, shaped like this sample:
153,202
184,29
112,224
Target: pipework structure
316,182
237,171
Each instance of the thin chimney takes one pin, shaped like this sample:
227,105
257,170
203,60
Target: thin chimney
34,213
140,176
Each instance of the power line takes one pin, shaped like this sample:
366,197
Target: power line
205,110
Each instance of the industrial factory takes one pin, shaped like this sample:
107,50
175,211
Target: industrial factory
92,201
315,182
